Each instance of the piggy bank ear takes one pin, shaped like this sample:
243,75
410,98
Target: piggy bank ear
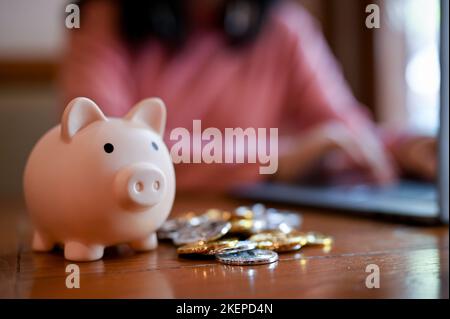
151,112
79,113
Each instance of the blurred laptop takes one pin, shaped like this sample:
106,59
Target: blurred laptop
414,199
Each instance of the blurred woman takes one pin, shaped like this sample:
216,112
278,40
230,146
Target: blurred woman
235,63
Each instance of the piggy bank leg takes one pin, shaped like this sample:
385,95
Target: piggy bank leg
148,243
41,242
77,251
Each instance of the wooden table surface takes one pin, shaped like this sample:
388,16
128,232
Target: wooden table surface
413,263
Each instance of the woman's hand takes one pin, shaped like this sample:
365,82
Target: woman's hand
418,156
364,151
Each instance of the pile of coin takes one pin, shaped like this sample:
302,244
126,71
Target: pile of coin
244,236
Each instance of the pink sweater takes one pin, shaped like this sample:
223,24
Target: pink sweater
286,78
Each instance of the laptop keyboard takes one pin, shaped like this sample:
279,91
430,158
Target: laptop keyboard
404,190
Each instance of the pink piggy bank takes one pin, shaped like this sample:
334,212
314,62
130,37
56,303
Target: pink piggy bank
94,181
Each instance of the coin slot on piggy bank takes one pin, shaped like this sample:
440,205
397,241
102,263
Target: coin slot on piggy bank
88,199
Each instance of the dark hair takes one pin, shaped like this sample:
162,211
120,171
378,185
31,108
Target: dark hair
167,20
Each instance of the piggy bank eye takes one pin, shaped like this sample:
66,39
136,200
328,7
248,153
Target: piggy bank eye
108,147
155,146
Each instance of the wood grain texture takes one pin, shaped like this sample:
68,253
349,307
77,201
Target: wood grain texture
413,262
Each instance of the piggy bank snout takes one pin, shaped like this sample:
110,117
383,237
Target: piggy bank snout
140,185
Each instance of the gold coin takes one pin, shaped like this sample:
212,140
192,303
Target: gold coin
241,226
315,238
243,212
279,245
194,248
279,241
291,241
284,247
206,248
274,234
265,244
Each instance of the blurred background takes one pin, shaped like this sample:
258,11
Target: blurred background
393,70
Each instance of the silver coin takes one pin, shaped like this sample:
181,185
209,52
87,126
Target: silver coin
163,235
275,217
170,228
178,223
249,257
259,210
207,231
276,221
242,245
258,225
